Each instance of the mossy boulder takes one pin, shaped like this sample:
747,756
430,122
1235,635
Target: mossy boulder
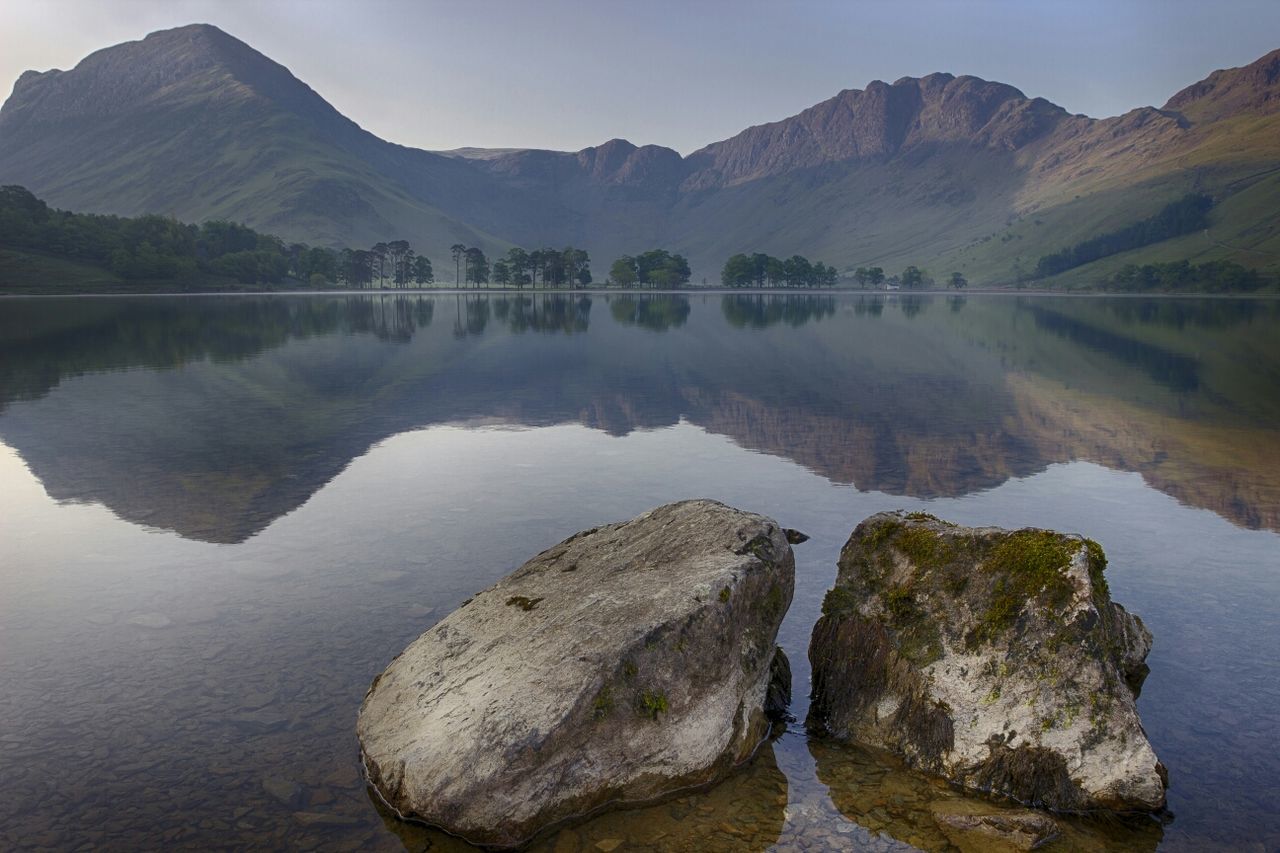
993,658
624,664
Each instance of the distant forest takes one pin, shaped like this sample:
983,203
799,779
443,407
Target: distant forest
1210,277
1184,216
149,248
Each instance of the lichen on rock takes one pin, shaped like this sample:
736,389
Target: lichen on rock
993,658
626,663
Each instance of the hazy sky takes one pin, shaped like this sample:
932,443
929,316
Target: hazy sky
562,74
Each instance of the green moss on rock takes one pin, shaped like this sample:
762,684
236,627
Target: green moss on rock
1027,564
651,703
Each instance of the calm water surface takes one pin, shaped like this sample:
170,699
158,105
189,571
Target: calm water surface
221,517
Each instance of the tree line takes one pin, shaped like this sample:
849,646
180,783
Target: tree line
1212,276
569,266
654,268
1187,214
394,262
761,270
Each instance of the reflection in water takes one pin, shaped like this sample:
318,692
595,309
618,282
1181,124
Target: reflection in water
277,397
759,311
912,305
549,312
339,474
744,813
656,312
878,793
1179,372
868,305
471,315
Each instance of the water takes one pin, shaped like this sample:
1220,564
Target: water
221,517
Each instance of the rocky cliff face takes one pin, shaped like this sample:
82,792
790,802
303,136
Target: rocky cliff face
880,122
1253,89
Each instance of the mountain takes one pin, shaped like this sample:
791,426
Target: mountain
943,172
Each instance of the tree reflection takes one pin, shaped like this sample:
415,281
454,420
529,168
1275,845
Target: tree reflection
656,312
759,311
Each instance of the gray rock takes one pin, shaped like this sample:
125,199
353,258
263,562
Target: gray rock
623,664
995,659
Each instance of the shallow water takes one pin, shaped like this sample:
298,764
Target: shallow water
220,518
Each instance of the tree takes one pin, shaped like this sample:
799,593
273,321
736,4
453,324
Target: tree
738,271
422,272
576,269
798,272
400,256
518,263
875,275
623,272
380,252
477,267
553,271
457,249
535,266
501,272
958,280
912,276
582,267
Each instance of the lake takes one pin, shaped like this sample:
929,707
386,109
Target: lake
221,517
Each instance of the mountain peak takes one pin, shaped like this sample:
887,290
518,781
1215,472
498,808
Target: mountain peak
165,69
1253,88
881,121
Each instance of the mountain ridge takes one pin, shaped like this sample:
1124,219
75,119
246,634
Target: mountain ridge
195,123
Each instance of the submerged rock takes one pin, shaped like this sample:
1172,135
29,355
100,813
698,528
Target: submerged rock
621,665
977,828
993,658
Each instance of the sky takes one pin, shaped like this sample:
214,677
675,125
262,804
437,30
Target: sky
565,74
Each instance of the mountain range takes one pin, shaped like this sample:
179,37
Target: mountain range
944,172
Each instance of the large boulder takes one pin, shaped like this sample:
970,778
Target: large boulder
993,658
626,663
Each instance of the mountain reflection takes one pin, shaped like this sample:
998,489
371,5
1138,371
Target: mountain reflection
911,395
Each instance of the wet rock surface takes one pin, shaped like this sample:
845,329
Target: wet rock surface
624,664
992,658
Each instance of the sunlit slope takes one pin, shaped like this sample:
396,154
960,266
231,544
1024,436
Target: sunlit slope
1236,161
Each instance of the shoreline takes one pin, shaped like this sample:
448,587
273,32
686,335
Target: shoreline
609,291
